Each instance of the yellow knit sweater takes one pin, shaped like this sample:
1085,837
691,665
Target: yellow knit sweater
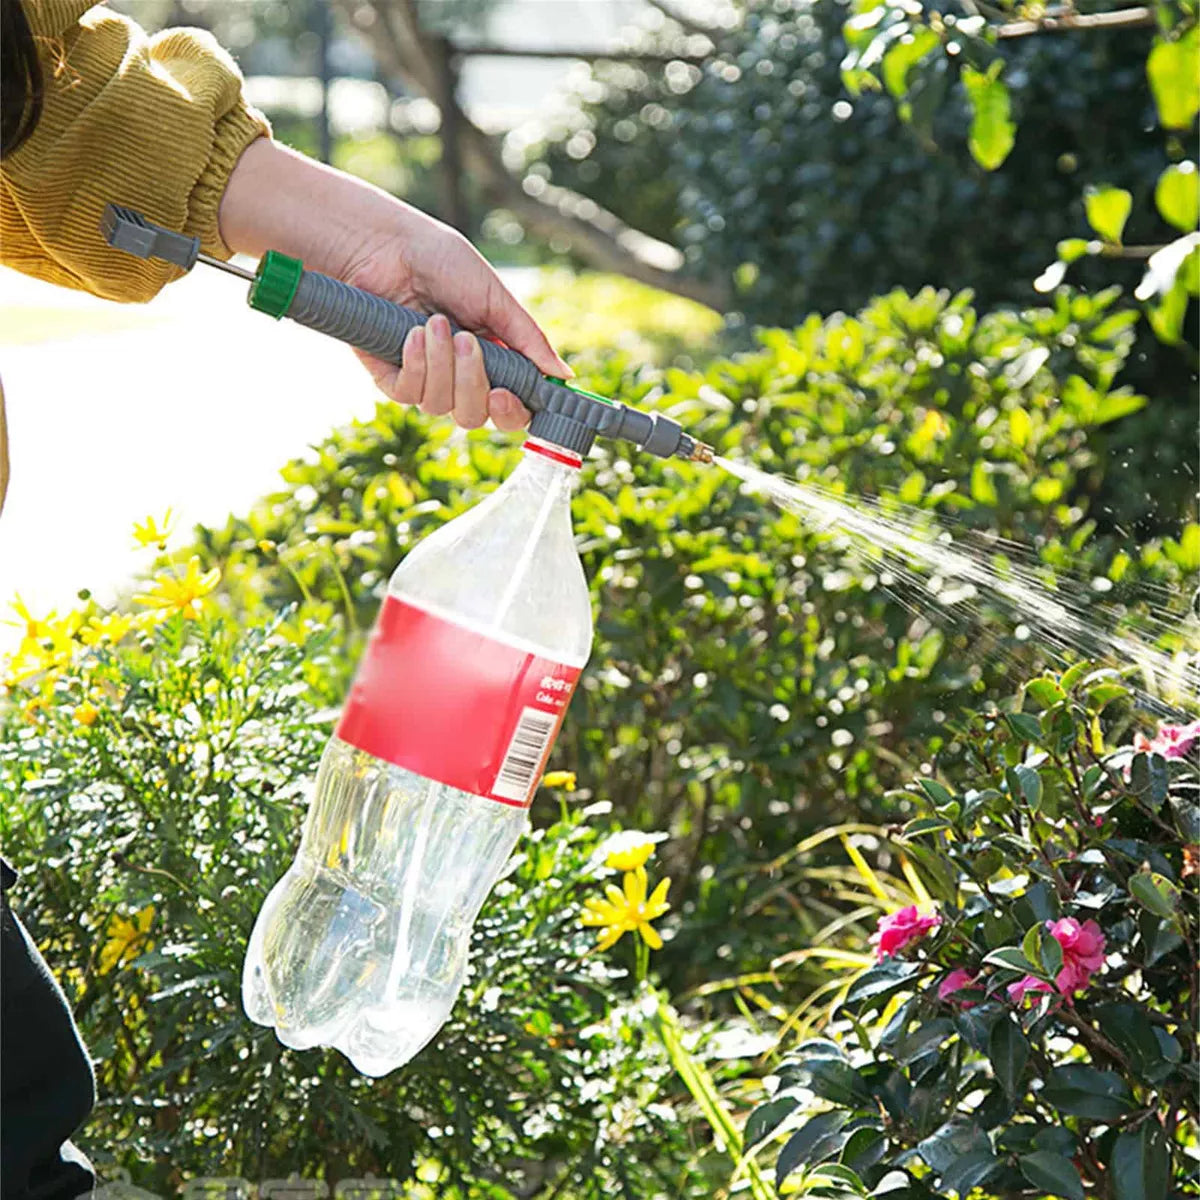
155,123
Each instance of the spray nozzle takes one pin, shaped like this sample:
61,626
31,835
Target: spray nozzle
280,286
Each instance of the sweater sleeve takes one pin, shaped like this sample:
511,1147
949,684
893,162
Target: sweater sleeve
154,123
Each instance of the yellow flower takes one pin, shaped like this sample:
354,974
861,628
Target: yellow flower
150,533
175,593
86,713
127,938
559,779
628,850
34,629
47,643
628,910
111,628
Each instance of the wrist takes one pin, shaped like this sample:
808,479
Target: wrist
277,199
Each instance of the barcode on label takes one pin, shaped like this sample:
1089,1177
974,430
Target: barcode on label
528,747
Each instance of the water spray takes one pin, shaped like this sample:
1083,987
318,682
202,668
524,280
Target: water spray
280,286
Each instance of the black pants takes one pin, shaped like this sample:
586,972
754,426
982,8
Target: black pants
46,1082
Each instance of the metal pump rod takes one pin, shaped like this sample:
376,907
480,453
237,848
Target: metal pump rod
564,414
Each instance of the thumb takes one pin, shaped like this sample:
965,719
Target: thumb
511,323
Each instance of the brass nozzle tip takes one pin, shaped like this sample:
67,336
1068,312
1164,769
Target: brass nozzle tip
702,453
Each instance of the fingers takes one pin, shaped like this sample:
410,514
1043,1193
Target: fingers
438,398
470,383
507,412
442,373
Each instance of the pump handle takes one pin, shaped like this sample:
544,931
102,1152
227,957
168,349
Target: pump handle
282,287
380,327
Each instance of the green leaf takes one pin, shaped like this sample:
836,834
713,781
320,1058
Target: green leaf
1177,195
843,1175
969,1171
1073,674
939,794
922,1039
944,1147
1129,1028
1011,958
1174,79
815,1140
1105,693
912,489
1008,1052
1027,728
1052,1173
766,1118
1107,211
1040,947
1056,1138
1080,1091
1071,249
992,130
1141,1164
903,55
838,1082
1155,892
925,825
1044,692
866,1147
1031,785
1116,405
983,490
881,982
1166,317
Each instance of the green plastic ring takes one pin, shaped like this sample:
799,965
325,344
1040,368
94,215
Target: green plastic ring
275,283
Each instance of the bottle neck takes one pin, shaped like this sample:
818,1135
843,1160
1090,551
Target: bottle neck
535,448
546,467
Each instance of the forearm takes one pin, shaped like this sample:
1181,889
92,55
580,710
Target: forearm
277,199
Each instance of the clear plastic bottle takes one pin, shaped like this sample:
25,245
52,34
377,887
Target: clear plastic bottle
424,789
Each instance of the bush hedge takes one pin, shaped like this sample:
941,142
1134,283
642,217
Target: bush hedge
754,678
154,785
1029,1028
757,683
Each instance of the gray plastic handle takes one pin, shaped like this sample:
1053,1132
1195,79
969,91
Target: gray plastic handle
380,326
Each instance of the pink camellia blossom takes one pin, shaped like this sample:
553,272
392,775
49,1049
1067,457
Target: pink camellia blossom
1030,983
959,980
899,929
1171,741
1083,953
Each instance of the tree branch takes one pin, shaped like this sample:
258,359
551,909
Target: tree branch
1067,21
599,237
686,23
650,57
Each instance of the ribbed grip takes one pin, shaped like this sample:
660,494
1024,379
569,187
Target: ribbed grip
379,327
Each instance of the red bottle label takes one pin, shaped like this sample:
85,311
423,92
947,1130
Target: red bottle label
443,701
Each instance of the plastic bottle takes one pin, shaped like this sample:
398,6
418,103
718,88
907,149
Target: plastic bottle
424,788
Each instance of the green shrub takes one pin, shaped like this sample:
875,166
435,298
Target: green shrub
753,678
761,158
153,790
1031,1030
771,176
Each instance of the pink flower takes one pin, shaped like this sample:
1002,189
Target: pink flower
1083,953
1171,741
899,929
1030,983
959,980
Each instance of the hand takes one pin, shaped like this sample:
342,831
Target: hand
278,200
